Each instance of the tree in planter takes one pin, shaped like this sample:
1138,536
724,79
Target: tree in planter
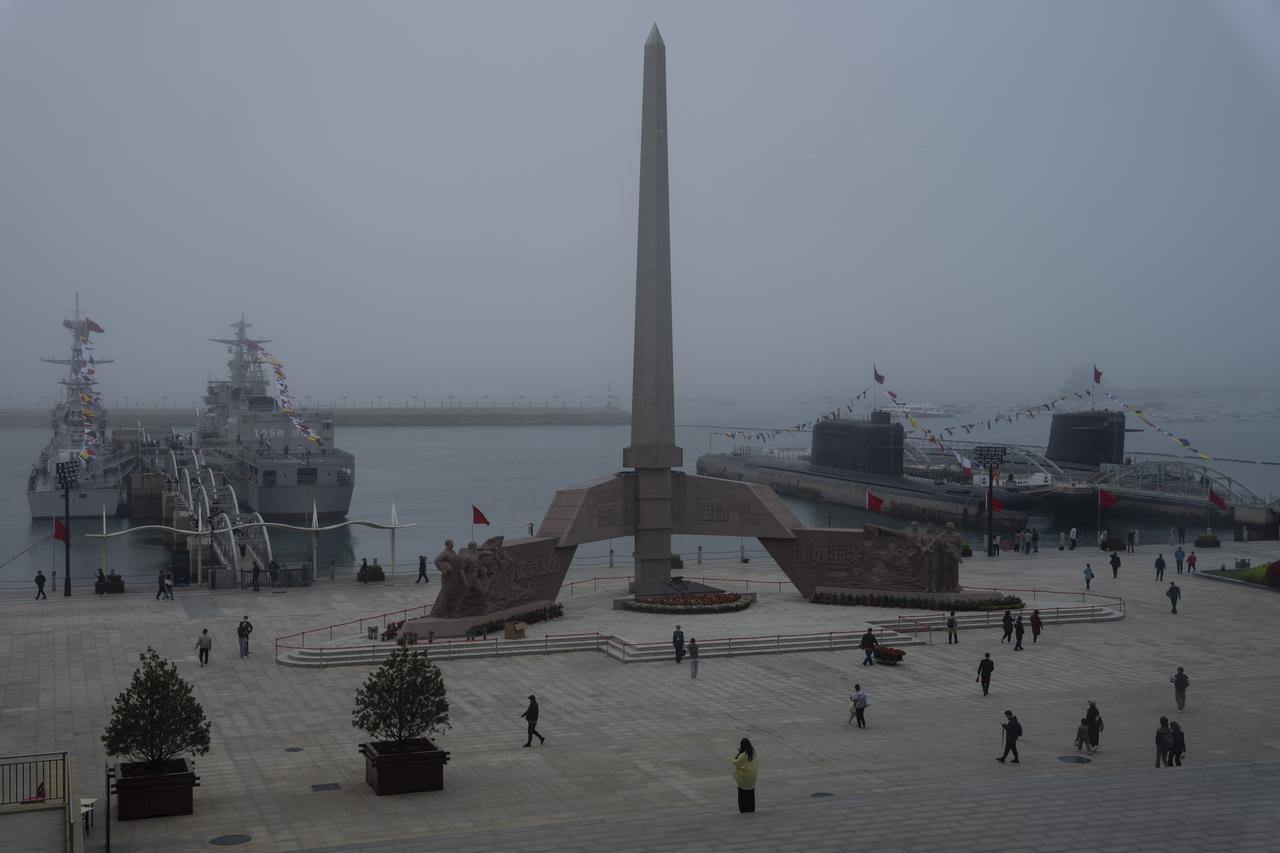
157,718
402,701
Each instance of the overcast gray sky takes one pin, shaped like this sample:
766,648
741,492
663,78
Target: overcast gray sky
440,198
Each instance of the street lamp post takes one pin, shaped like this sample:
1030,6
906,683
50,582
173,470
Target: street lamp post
990,457
68,475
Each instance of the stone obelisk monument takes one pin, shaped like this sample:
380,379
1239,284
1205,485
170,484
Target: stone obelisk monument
653,452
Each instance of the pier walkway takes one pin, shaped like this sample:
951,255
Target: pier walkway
637,757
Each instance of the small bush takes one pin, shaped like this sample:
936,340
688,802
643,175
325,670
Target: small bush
157,718
1208,540
402,700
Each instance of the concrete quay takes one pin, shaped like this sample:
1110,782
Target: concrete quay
637,756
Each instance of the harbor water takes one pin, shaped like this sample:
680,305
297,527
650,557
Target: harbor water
435,474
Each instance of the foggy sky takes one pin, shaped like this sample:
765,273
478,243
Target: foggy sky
440,198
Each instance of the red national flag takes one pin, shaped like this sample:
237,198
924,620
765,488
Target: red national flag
59,530
1097,375
877,374
1106,499
477,517
997,505
92,326
1216,499
874,503
892,396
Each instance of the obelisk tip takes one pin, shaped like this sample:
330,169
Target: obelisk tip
655,37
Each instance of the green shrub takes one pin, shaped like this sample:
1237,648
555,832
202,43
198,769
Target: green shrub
157,718
402,700
1208,540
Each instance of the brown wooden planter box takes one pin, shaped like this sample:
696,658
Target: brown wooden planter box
142,793
404,772
115,585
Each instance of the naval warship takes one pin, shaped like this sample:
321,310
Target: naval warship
80,436
281,462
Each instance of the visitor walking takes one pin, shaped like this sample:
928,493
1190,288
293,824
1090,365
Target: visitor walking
745,770
40,585
168,585
1012,731
1178,556
243,630
868,646
160,585
953,634
422,569
531,717
1093,720
858,706
1026,541
1072,537
1180,683
693,657
203,643
1007,623
1164,742
1036,626
362,573
1191,563
986,666
1082,737
1179,743
1173,593
100,583
257,571
1018,631
677,643
1088,575
1182,534
1160,567
1115,565
1130,541
1035,540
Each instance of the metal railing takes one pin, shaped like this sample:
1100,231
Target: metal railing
33,780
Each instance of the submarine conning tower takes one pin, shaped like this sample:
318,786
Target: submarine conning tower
1088,439
873,446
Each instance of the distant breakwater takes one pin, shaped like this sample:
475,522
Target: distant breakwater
185,418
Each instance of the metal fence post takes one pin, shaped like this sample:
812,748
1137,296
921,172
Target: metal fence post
699,555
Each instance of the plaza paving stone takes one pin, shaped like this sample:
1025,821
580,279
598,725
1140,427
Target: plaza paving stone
637,756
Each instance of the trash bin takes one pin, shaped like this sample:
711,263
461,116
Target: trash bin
373,632
515,630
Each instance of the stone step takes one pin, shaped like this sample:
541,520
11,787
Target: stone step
968,620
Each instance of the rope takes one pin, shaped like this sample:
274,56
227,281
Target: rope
40,541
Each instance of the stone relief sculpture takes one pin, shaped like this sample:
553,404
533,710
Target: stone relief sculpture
477,580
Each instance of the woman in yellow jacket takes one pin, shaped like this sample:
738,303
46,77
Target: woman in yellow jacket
745,766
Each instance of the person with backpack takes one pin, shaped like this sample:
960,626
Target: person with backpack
1173,593
1115,565
986,666
243,630
1160,567
1178,556
953,634
1007,623
1012,731
1037,625
1180,683
858,706
1088,575
1164,742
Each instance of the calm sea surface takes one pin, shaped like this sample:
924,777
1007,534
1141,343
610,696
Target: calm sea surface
435,474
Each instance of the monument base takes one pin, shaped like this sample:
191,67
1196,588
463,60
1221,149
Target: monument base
458,626
676,586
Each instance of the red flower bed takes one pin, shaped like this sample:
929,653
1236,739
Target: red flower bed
693,599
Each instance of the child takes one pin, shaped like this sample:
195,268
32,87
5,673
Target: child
1082,737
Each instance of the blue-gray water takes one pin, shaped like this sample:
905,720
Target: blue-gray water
435,474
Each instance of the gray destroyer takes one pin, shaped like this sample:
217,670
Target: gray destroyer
281,463
80,435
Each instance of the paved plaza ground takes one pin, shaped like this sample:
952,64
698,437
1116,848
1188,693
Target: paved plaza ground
637,755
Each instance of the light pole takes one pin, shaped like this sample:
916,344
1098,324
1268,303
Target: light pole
990,457
68,475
